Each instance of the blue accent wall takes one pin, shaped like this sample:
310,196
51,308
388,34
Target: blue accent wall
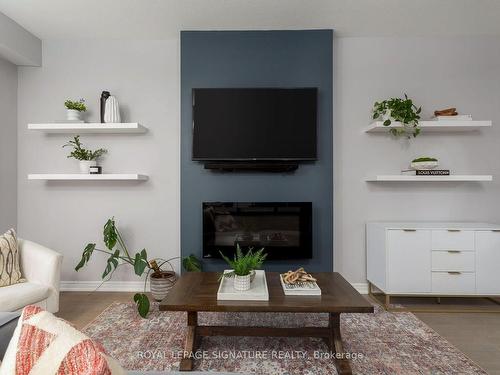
299,58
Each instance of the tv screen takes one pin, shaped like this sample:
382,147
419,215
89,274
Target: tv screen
254,124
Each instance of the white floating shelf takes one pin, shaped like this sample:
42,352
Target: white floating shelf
89,177
451,178
89,128
433,126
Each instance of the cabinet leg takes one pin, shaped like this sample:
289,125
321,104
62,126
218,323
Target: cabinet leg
387,302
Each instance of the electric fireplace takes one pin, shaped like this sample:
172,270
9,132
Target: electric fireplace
284,229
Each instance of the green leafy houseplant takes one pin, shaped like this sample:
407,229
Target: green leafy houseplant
244,264
81,153
425,158
118,255
400,110
191,264
76,105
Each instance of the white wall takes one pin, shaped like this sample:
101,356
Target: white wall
144,76
437,73
8,146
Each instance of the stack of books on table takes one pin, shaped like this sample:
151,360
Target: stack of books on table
426,172
309,288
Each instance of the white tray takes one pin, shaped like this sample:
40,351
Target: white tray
258,289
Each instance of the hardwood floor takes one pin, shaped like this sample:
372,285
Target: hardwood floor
475,334
80,308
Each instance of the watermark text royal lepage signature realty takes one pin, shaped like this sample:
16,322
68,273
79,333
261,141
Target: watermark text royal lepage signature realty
247,354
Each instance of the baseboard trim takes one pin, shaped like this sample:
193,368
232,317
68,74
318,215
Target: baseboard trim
362,288
109,286
137,286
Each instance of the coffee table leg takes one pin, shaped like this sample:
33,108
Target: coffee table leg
342,364
191,342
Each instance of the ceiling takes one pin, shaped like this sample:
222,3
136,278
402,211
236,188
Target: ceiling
159,19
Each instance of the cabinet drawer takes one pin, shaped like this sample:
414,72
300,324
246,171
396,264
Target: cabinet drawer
454,283
453,240
453,260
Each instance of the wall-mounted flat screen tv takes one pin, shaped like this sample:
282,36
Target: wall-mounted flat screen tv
254,124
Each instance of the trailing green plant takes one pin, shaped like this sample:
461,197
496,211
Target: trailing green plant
76,105
399,110
191,264
425,158
81,153
118,255
244,264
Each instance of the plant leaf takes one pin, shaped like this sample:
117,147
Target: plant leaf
109,233
191,264
140,262
87,253
387,122
111,264
142,302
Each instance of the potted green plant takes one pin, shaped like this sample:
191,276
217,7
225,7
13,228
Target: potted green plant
118,255
399,110
244,266
74,109
87,158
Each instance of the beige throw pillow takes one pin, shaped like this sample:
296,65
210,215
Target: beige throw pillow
10,270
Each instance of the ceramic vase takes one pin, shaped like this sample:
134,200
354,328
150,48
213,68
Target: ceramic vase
160,283
112,110
242,283
86,164
73,115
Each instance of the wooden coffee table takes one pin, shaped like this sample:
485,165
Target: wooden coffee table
197,291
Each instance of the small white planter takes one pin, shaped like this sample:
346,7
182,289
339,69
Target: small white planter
242,283
424,165
73,115
86,164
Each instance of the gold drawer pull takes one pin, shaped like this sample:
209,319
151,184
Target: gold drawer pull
453,230
454,273
454,251
409,230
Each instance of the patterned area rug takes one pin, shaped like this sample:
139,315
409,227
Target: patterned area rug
379,343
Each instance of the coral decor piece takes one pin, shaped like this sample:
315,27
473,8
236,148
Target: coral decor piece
45,345
385,342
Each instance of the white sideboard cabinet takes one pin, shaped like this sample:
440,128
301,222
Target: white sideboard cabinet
433,258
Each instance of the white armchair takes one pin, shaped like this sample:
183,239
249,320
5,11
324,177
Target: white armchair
41,267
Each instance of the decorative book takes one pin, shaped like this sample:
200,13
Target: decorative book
426,172
258,290
306,288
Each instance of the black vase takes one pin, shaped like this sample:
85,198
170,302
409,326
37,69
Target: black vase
104,96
